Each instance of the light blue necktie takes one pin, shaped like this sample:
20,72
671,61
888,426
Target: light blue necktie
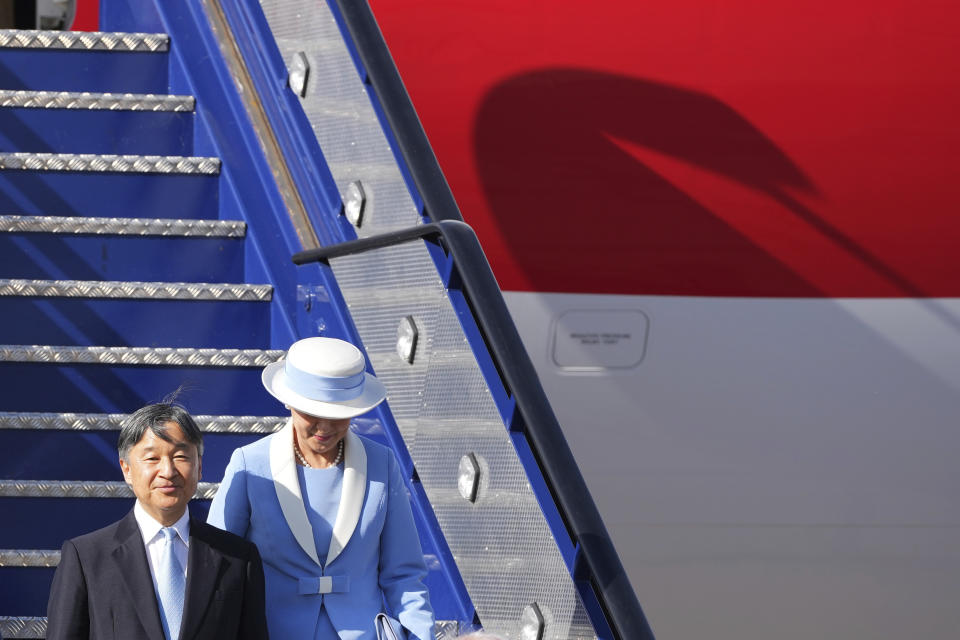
171,586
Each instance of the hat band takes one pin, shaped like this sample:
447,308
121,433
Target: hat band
323,388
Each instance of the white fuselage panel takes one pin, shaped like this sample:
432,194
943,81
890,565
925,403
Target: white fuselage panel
768,468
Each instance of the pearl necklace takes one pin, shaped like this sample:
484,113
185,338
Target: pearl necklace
303,461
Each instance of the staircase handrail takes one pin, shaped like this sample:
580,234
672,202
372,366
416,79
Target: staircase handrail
597,559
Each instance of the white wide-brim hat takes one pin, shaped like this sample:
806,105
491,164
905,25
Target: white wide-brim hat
324,377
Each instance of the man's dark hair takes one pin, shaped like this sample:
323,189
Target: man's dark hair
155,417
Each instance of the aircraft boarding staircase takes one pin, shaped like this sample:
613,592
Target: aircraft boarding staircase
154,183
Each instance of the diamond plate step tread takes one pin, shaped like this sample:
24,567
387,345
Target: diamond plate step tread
29,558
32,628
112,422
84,489
139,356
135,290
123,226
95,101
83,40
49,558
22,627
90,162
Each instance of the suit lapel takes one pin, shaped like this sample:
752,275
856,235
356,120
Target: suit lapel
287,485
203,572
131,558
351,496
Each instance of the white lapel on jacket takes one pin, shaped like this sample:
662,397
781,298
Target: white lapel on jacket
352,492
285,481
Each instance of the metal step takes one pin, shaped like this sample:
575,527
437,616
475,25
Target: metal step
135,290
24,455
112,422
144,356
122,380
61,518
69,508
26,574
109,249
77,61
84,489
34,628
95,101
94,313
22,627
88,162
96,123
111,186
83,40
29,558
92,438
123,226
51,558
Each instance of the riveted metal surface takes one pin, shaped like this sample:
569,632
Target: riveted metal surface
123,226
391,295
88,162
147,356
444,386
83,40
112,422
93,101
83,489
28,558
135,290
341,114
22,627
445,410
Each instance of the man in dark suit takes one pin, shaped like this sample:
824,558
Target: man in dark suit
158,574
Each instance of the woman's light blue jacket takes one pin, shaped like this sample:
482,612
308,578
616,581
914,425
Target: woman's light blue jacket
374,556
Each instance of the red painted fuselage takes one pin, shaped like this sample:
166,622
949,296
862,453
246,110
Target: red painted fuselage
728,234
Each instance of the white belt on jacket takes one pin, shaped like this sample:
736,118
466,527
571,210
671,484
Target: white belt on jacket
323,584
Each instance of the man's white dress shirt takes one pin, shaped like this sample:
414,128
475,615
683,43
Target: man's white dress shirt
153,540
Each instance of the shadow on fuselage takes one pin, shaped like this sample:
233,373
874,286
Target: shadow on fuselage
580,213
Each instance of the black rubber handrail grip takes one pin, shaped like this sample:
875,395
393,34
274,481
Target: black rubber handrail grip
610,581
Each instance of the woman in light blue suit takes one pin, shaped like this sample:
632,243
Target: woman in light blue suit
327,509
